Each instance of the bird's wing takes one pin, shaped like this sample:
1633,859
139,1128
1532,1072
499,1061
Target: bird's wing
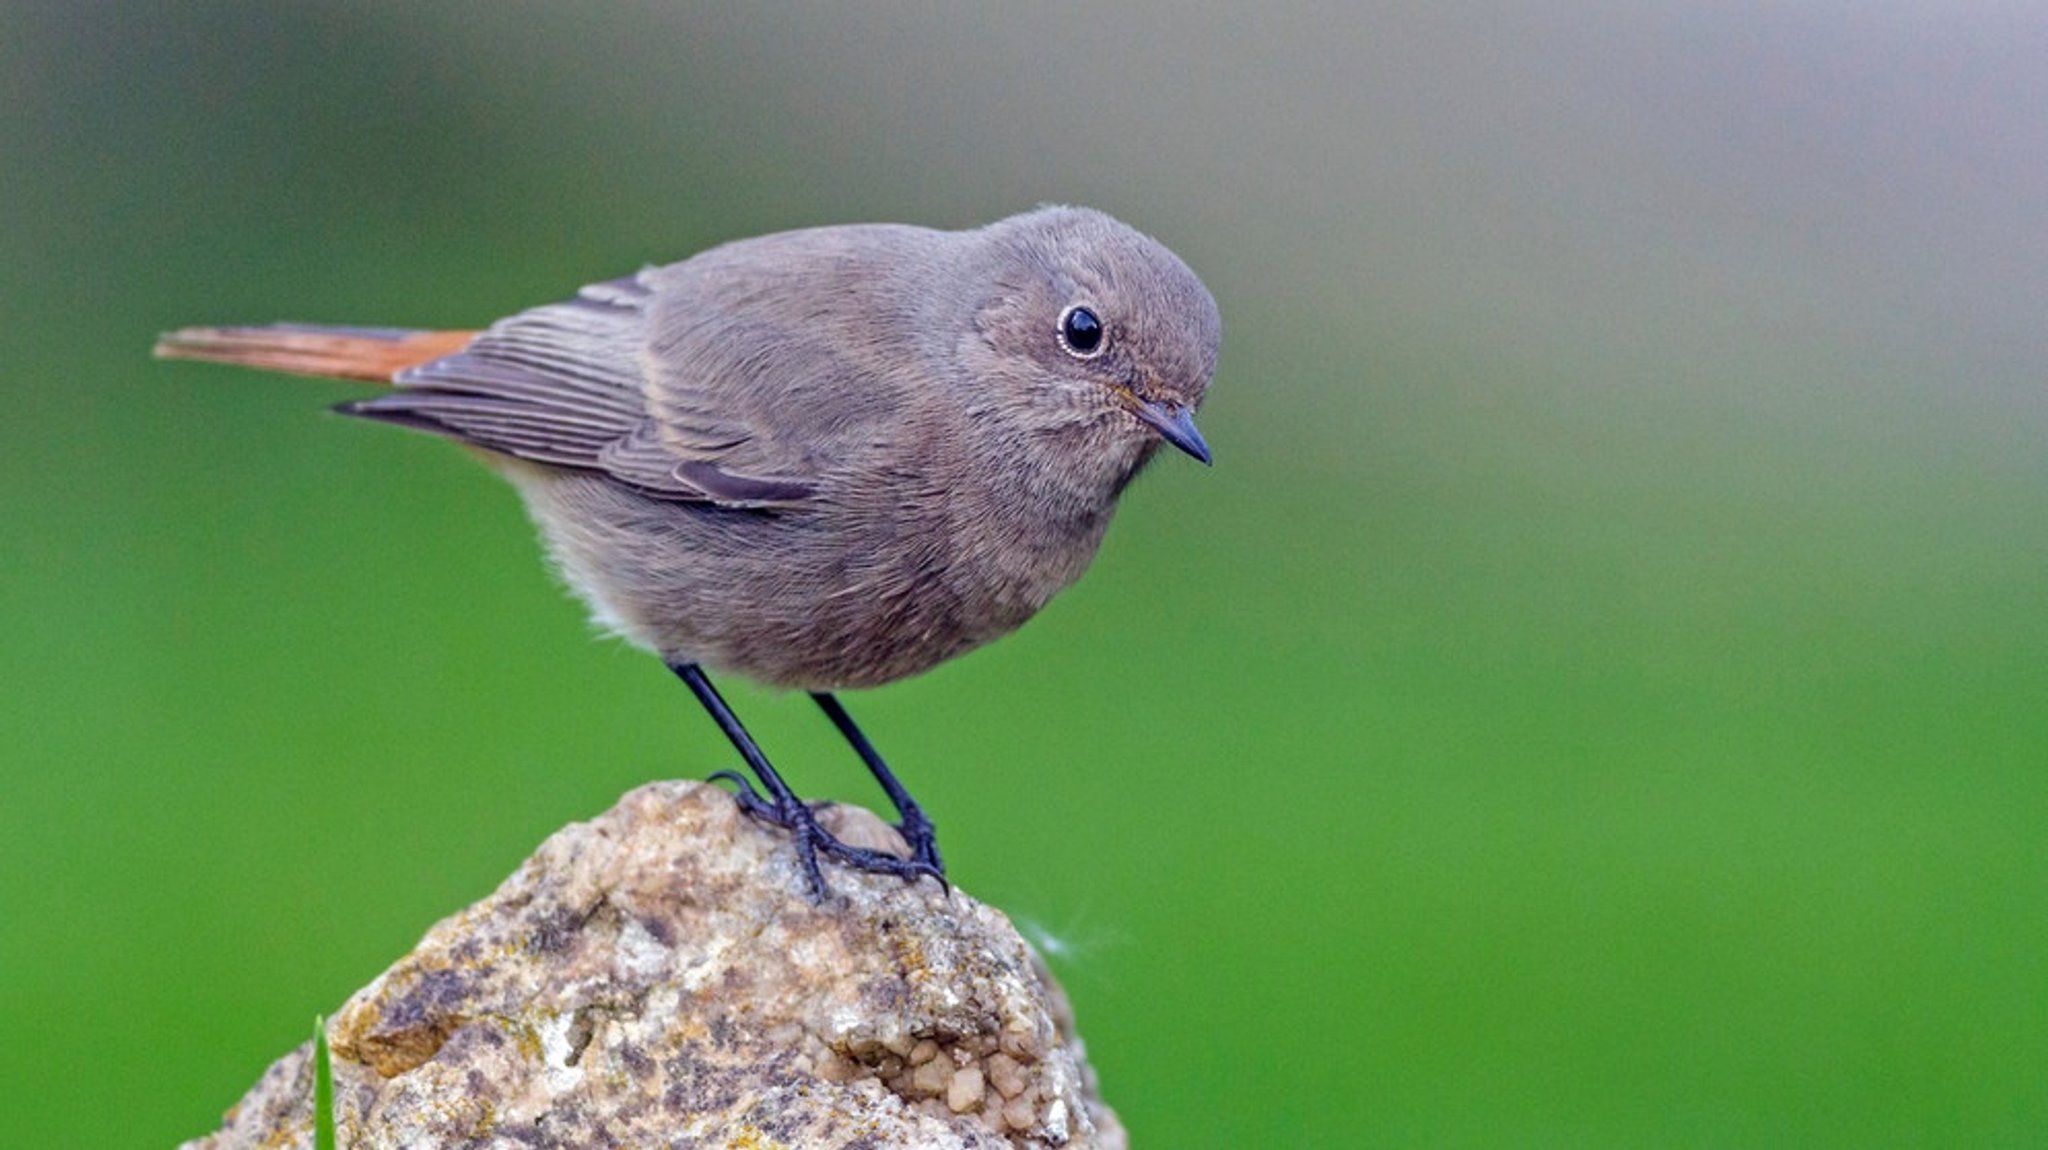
784,357
567,385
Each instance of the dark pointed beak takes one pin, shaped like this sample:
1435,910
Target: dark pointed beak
1175,424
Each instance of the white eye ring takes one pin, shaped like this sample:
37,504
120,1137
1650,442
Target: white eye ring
1082,333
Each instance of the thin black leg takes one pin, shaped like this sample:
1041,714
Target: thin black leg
781,807
917,830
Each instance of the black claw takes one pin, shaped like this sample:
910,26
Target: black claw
745,795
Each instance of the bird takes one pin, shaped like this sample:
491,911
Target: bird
822,459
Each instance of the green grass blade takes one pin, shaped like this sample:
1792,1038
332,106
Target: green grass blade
323,1088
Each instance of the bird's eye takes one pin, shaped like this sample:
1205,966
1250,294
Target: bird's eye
1080,332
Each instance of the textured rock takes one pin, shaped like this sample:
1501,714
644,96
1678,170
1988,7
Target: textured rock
658,977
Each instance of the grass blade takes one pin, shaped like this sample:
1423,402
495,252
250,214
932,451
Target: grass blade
323,1088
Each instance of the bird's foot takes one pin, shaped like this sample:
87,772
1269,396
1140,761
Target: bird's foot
812,839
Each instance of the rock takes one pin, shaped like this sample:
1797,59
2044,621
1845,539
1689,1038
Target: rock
659,976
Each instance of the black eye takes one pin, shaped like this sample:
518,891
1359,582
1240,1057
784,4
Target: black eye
1080,332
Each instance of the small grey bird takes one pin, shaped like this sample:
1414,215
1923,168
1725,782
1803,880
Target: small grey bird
822,459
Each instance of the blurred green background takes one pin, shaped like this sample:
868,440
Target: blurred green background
1599,697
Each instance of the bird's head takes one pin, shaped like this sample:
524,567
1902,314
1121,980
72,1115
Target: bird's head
1091,337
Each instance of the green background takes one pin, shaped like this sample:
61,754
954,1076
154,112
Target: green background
1598,698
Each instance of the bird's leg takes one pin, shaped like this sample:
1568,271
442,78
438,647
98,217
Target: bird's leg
917,830
781,807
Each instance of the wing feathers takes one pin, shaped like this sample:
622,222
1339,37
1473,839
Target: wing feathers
563,385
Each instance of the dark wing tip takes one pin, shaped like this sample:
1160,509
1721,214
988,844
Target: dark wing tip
396,416
740,490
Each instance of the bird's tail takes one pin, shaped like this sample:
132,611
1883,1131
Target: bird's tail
371,354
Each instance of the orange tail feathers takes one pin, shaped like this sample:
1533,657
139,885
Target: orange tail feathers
370,354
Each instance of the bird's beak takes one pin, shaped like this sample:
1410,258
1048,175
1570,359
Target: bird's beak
1174,423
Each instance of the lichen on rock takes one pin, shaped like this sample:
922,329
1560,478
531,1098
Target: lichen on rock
659,976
